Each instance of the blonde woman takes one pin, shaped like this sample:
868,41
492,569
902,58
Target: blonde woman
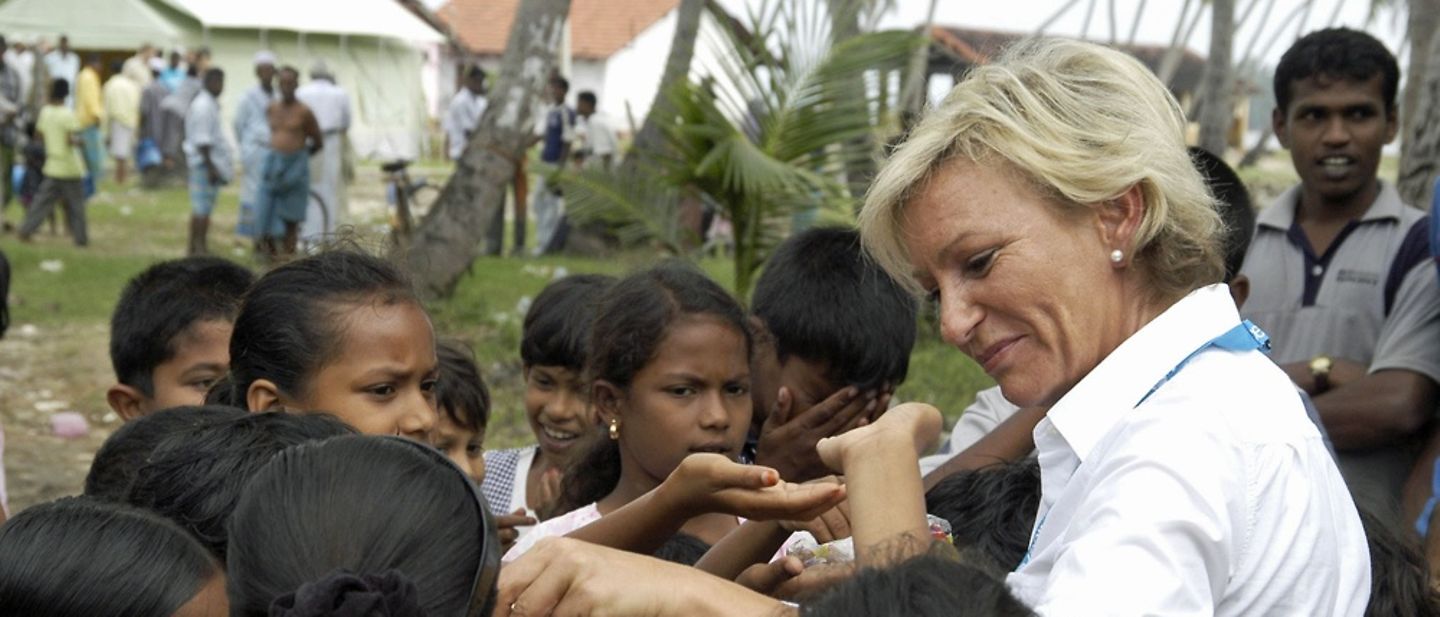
1049,209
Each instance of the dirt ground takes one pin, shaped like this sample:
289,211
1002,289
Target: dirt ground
42,373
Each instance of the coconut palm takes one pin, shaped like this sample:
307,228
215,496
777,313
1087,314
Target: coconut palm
764,134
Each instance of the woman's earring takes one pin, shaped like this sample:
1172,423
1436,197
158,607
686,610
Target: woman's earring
1117,256
614,430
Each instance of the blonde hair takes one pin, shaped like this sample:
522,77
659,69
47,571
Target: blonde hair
1082,124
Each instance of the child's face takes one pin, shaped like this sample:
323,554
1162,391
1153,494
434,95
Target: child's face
463,446
557,405
694,396
808,380
381,379
202,356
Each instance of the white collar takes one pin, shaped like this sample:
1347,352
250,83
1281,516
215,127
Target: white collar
1092,408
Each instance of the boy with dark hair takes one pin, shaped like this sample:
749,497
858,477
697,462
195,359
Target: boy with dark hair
834,334
1342,281
170,334
464,405
554,345
991,510
195,478
126,450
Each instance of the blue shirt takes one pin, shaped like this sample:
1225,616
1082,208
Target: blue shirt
559,127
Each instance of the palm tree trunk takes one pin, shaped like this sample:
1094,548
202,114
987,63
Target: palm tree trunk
677,69
1218,112
1135,24
448,240
1420,154
1043,25
1171,61
845,24
1423,20
912,88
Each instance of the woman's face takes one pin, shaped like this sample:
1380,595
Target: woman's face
693,396
381,378
1027,291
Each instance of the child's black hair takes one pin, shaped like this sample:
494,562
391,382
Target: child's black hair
164,301
370,505
633,317
461,394
127,449
556,330
195,478
59,89
1399,581
82,556
682,548
288,322
1237,212
823,300
990,510
1336,53
933,584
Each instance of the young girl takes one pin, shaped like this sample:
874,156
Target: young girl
554,345
361,525
670,374
340,332
83,556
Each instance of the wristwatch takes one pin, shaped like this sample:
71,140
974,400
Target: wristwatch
1320,370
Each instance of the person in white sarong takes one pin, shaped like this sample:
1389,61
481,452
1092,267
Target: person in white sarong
252,133
331,106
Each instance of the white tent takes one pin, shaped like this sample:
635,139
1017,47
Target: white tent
372,47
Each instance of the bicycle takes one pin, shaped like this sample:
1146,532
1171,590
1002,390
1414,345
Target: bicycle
412,198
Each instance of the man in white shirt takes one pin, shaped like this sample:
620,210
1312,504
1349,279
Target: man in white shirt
463,115
252,134
331,106
207,154
598,143
22,59
63,63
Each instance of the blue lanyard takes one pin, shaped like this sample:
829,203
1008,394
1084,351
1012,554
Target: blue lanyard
1245,336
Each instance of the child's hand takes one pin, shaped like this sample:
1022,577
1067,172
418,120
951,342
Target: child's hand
548,492
711,483
505,524
788,443
831,525
789,579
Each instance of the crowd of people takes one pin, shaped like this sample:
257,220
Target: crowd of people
1198,410
163,117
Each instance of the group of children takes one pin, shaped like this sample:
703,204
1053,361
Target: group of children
303,444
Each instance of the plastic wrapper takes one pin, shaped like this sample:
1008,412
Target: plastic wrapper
813,553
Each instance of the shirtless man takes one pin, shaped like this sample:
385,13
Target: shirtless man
285,183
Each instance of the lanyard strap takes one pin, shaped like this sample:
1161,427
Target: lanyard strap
1245,336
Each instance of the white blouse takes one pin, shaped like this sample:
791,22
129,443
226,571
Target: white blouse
1213,496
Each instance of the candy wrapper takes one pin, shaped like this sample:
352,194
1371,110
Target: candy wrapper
812,553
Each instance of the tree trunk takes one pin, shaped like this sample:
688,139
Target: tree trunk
1422,22
844,25
1420,161
1218,112
1135,23
448,240
677,69
1170,62
913,87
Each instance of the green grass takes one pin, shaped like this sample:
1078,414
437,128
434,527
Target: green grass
131,229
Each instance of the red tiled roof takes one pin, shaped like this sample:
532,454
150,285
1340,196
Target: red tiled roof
598,28
976,46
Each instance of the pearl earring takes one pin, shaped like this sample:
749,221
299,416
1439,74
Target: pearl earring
1117,256
614,430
